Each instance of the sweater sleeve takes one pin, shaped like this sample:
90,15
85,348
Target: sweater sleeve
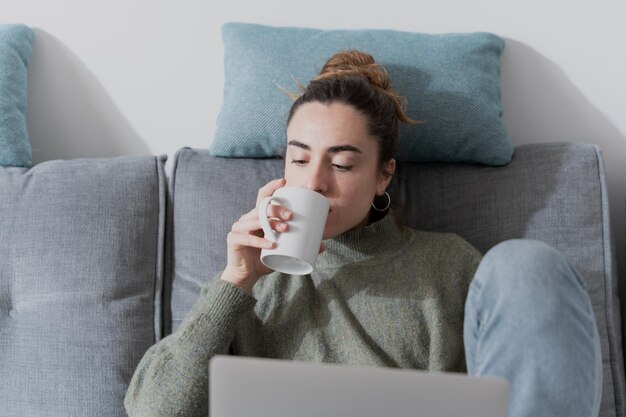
172,377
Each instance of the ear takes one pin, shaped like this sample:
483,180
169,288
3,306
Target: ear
385,177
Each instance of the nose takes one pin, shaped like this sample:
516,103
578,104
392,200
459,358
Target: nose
318,179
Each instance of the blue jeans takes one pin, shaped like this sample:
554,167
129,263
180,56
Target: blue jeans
528,318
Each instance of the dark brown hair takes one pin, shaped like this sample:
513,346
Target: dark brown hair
354,78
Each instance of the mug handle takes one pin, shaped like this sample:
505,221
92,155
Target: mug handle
270,234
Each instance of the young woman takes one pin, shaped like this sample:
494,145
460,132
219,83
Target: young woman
381,294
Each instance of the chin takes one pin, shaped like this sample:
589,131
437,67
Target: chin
330,231
328,234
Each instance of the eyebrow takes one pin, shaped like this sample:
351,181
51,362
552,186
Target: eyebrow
332,149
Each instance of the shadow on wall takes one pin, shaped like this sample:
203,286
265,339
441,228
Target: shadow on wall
541,104
70,114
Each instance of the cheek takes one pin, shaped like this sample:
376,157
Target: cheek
291,175
360,188
356,200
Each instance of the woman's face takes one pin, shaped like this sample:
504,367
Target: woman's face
329,150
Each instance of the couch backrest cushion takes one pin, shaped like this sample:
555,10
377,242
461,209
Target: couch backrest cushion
16,47
551,192
80,278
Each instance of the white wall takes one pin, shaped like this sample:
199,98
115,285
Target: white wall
145,76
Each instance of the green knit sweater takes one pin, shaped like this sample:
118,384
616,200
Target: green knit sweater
379,296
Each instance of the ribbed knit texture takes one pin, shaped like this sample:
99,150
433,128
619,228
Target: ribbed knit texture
379,296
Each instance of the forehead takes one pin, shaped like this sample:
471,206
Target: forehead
326,125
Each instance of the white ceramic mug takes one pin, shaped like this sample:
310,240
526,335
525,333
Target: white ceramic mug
296,249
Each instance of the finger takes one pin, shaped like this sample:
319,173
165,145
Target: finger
269,188
246,225
278,212
247,240
273,211
253,225
279,226
249,221
252,214
322,248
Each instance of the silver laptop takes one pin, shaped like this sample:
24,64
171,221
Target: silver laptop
254,387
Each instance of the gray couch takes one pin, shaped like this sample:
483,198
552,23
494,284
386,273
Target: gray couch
101,258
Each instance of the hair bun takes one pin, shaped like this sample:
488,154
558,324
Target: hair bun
355,63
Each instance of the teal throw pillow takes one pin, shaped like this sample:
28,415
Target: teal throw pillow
451,82
16,47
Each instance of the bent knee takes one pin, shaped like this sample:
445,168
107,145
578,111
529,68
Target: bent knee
527,262
525,250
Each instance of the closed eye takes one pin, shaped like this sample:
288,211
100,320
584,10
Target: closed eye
342,168
299,162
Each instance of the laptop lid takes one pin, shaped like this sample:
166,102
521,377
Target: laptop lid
243,386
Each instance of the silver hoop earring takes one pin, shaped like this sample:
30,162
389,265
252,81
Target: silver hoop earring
386,207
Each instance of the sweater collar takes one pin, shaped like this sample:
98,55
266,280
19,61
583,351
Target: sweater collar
362,244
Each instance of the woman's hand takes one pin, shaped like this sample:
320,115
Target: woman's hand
245,241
